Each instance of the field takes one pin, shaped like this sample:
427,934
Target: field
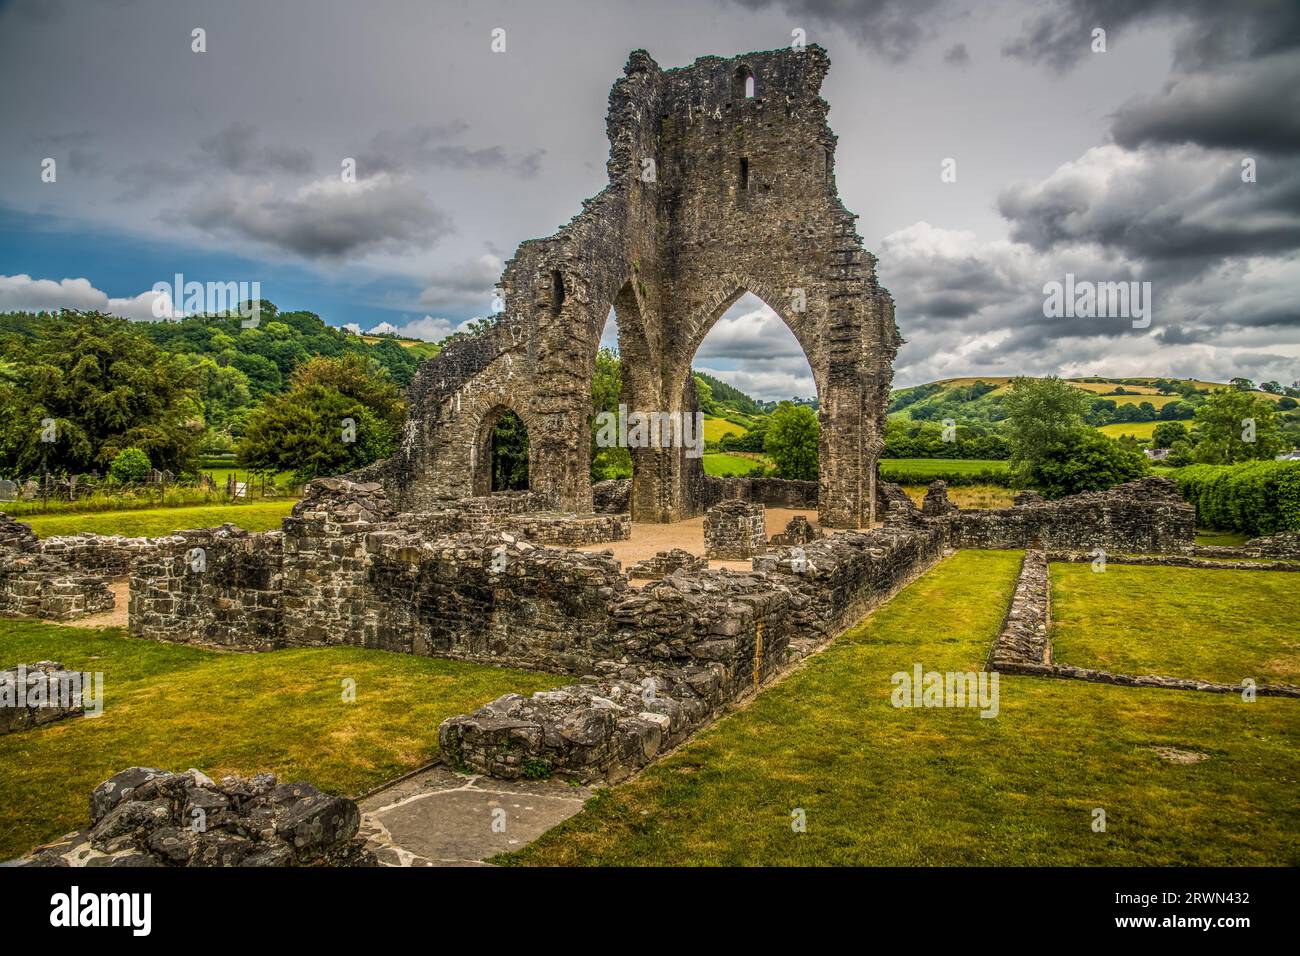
968,496
877,785
176,707
715,428
1140,430
255,516
1213,625
725,466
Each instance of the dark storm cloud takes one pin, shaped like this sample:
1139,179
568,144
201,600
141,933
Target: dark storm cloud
1210,32
425,147
957,55
236,149
327,220
892,28
1160,204
1255,107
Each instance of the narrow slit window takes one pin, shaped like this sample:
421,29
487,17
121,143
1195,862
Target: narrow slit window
557,291
749,87
744,173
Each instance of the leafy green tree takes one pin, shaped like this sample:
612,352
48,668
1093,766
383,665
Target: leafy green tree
791,441
129,464
1166,433
606,387
85,386
509,453
1086,461
339,415
1228,419
1044,415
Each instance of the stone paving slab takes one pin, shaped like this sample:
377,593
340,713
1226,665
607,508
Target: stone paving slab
442,818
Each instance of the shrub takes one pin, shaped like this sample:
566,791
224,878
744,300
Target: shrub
129,464
1258,498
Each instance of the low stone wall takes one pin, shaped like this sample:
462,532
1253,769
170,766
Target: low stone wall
38,587
665,563
32,695
1024,645
1177,561
606,730
837,580
798,530
569,530
1146,516
1285,544
218,586
109,555
734,530
773,492
148,817
612,497
1024,637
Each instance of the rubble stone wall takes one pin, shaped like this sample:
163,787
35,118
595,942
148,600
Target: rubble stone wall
218,586
1146,516
734,530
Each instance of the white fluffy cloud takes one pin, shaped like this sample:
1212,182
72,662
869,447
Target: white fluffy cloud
22,293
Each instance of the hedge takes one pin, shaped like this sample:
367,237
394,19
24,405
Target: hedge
1258,497
911,476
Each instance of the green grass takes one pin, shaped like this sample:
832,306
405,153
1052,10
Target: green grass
1216,625
886,786
254,516
176,707
1222,538
723,466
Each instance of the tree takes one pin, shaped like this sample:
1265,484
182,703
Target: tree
1086,461
1043,414
338,415
129,464
791,441
1166,433
1234,425
84,387
509,453
606,388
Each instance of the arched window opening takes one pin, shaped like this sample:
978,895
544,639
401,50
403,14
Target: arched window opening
742,86
753,378
744,172
508,452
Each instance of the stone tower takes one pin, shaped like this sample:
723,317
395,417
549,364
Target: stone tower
721,181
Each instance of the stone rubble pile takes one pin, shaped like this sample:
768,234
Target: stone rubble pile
32,695
665,563
148,817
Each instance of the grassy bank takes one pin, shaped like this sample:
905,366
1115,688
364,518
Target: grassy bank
176,707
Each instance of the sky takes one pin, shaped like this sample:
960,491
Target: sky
1122,164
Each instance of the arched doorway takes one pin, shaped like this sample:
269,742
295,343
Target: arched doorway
501,461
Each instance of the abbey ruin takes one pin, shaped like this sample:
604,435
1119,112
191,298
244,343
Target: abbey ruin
721,182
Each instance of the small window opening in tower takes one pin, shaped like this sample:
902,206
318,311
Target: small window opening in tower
744,173
557,291
743,84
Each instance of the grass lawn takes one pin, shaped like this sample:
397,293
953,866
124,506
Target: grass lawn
1140,430
1181,622
724,466
176,707
880,785
151,522
941,466
1222,538
715,428
969,496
